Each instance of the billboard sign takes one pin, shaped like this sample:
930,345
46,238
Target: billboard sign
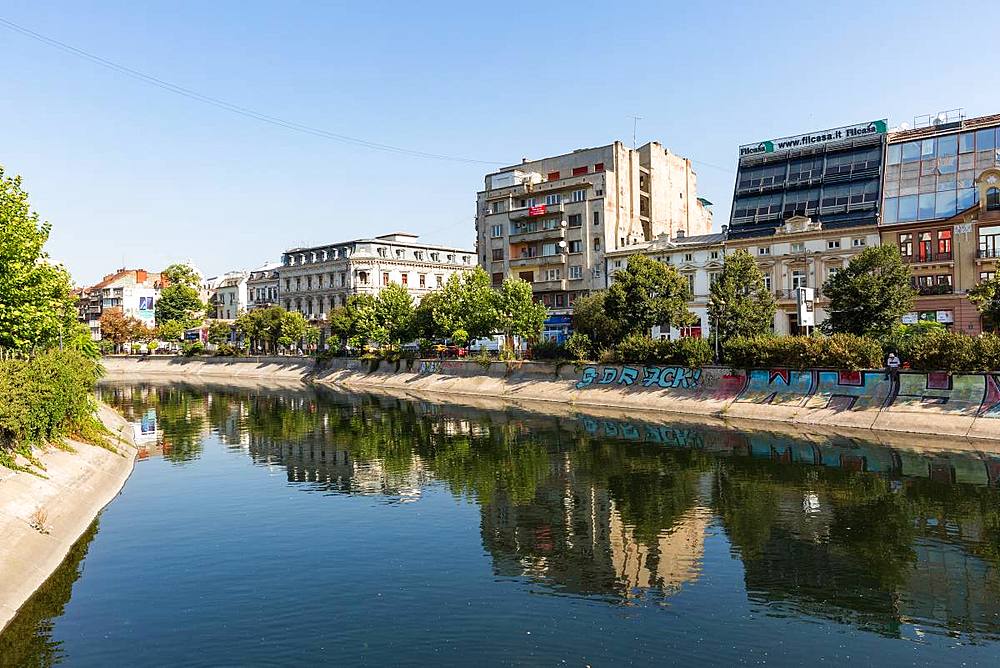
815,138
806,300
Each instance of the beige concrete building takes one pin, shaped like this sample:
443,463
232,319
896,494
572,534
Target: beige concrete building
800,254
134,292
551,221
318,279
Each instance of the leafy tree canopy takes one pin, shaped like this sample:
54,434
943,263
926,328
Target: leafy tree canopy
517,313
182,274
590,318
648,293
468,302
739,302
870,295
36,304
181,303
986,297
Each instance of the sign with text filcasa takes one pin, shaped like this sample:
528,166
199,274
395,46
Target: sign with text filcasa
815,138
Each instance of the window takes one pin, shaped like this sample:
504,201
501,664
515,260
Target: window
713,277
309,282
690,280
497,254
560,301
597,243
363,277
833,244
548,249
466,259
406,278
967,142
798,247
439,280
422,280
858,242
993,199
924,246
944,244
553,176
553,274
599,167
288,286
551,224
436,257
400,253
385,278
906,244
497,279
576,246
579,195
907,209
618,264
576,272
688,257
496,207
381,252
576,220
767,282
925,206
553,199
579,171
496,231
763,250
987,276
798,278
714,255
597,218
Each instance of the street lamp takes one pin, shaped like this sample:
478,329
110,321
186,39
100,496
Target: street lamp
720,308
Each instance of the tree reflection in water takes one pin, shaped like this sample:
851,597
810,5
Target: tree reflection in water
826,526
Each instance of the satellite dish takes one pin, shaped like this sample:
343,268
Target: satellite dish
942,117
904,126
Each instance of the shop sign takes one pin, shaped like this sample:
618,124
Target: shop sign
815,138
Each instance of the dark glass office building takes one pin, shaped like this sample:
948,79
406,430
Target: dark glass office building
833,177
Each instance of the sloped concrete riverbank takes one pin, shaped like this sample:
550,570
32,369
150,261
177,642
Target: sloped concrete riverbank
62,505
933,404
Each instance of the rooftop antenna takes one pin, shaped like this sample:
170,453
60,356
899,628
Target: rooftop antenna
635,123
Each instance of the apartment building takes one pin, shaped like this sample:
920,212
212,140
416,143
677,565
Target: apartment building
317,279
263,287
231,296
942,209
134,292
551,221
799,254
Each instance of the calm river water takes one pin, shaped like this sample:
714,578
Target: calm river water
305,526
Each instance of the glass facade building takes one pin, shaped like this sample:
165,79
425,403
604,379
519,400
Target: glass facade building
933,178
833,177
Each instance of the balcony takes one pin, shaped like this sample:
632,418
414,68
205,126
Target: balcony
929,258
792,295
988,253
538,260
940,289
535,211
549,286
539,235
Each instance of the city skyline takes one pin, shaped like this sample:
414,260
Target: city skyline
130,174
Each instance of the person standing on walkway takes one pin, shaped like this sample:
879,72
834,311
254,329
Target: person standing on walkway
892,367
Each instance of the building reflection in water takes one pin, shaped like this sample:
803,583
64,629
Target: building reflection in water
897,540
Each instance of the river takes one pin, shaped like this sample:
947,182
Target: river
301,525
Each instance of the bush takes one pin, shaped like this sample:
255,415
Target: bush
44,397
686,351
579,346
839,351
609,356
637,349
548,350
193,348
986,350
227,350
941,350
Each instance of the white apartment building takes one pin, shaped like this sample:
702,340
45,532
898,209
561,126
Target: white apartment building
801,253
317,279
231,295
263,287
551,221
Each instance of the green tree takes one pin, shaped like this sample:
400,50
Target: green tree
590,318
170,331
517,313
468,302
645,294
119,328
182,274
219,332
340,325
294,328
394,315
986,297
870,295
364,325
424,324
36,305
739,302
180,302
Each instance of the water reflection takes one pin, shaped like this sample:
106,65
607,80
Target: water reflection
893,540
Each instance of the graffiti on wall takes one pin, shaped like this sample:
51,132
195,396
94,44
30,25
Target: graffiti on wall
666,377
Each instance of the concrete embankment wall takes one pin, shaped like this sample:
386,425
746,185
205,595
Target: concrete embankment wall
77,486
916,402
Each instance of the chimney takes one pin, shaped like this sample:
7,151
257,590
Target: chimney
725,229
141,275
680,234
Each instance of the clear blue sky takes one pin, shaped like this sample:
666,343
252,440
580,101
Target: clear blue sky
128,172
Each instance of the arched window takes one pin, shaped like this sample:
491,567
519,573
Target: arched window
993,199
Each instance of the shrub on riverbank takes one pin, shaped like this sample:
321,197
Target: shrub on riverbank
686,352
44,397
839,351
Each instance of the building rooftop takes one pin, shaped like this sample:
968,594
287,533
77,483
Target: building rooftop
402,238
956,126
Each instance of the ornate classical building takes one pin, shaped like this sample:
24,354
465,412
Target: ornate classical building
318,279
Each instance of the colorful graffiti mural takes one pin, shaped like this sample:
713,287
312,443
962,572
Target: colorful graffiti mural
671,377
